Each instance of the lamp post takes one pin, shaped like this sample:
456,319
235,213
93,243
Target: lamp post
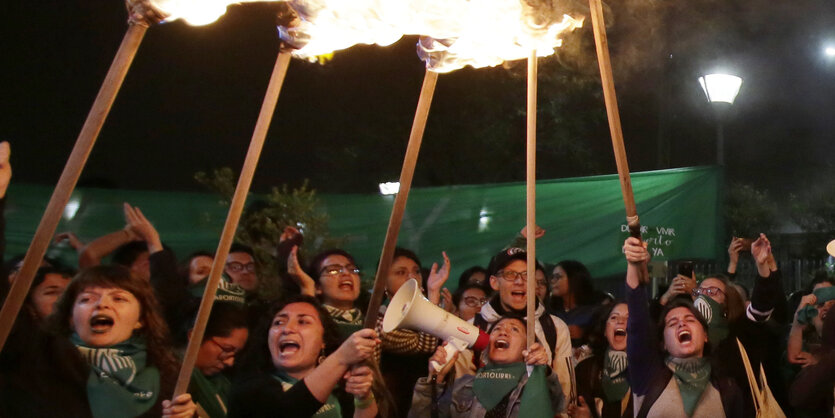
721,90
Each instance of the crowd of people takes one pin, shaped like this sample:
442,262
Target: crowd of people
105,338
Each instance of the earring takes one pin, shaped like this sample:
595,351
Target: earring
321,357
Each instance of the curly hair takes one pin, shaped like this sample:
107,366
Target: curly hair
579,282
154,330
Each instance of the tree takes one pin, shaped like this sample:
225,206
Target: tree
266,216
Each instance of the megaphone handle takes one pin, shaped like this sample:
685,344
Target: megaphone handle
453,346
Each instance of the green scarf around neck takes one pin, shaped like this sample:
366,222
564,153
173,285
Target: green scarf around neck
717,324
226,291
494,381
330,409
806,314
210,393
120,383
614,381
692,376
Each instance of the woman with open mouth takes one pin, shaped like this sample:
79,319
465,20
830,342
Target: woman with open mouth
677,381
108,347
602,378
333,277
498,388
294,362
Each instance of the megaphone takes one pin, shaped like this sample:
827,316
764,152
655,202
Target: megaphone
410,309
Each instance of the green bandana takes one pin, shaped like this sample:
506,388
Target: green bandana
808,313
347,321
120,384
210,393
226,291
494,381
717,324
692,376
331,407
536,399
614,381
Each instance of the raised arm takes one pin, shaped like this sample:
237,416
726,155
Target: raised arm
768,288
641,349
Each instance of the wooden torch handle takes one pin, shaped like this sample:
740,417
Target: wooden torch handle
427,91
235,209
69,177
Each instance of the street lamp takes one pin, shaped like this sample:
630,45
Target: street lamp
721,90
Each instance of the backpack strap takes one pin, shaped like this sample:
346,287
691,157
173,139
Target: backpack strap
656,388
550,331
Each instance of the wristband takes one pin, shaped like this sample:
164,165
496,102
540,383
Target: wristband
364,403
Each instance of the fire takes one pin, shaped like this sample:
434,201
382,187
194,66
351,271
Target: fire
195,12
454,33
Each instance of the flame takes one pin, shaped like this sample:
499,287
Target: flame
454,33
196,12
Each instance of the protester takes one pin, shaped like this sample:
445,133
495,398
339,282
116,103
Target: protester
683,383
573,298
197,266
508,278
602,378
225,335
107,355
336,283
468,300
47,286
294,363
500,388
404,352
241,267
474,274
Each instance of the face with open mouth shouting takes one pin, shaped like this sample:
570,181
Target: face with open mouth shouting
684,335
616,327
513,291
296,339
339,285
507,341
105,316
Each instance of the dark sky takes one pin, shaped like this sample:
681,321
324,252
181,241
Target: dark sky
192,97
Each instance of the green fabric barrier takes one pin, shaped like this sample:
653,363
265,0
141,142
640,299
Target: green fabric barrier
584,219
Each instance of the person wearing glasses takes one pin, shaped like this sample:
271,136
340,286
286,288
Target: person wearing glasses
508,278
225,336
468,300
241,268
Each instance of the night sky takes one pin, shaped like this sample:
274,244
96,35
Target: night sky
192,96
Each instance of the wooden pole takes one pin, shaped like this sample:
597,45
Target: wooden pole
231,226
69,177
406,174
607,80
531,198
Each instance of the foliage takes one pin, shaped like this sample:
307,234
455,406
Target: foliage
265,217
749,211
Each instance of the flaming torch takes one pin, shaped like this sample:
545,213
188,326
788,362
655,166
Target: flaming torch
141,15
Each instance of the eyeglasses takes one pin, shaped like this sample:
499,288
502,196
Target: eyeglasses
511,275
236,267
226,351
707,291
335,269
474,302
541,283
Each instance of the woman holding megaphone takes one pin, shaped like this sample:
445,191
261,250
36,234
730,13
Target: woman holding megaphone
294,363
515,382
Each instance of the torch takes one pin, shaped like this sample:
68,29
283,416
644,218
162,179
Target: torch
607,80
141,15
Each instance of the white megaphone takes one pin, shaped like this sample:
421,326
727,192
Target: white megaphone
410,309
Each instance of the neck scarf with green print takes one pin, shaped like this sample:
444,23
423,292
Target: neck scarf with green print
331,407
692,376
717,323
120,383
613,380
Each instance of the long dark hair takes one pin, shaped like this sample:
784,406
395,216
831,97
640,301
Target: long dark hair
580,286
597,336
256,357
154,329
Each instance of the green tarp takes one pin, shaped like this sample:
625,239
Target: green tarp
583,217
